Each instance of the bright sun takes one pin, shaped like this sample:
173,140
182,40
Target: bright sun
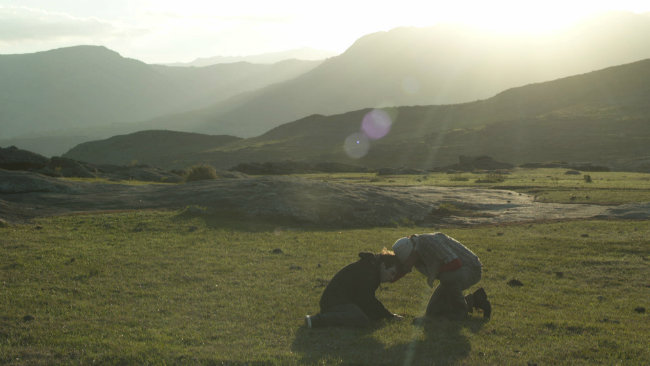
514,17
511,16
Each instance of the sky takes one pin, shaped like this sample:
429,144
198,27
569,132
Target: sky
165,31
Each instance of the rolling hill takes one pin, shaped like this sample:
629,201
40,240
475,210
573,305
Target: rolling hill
601,117
153,147
425,66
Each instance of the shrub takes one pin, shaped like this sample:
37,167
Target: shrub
200,172
458,177
492,177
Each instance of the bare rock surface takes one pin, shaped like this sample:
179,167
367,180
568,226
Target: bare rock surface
24,195
15,182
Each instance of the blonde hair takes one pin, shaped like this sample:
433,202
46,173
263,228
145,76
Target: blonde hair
386,251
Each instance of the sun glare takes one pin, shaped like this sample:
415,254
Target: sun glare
518,17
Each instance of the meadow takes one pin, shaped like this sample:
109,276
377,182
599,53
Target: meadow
547,184
162,287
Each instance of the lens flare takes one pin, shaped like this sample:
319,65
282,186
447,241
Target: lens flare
376,124
356,145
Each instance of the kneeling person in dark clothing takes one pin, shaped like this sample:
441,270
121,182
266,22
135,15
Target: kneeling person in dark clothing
349,298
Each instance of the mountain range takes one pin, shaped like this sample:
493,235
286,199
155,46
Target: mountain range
304,53
94,93
601,117
424,66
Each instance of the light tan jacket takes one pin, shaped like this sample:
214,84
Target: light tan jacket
438,249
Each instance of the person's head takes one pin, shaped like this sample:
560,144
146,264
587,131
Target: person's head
388,265
404,249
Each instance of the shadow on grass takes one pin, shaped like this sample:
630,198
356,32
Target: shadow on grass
334,345
438,342
435,342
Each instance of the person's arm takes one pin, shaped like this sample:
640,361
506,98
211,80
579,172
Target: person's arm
435,254
373,308
365,298
429,264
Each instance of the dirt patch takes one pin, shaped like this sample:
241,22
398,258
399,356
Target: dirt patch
25,195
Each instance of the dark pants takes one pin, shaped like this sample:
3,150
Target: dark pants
447,299
343,315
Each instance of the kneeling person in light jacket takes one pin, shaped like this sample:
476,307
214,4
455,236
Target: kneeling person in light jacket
438,256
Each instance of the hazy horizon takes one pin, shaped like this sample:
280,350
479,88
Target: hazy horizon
172,32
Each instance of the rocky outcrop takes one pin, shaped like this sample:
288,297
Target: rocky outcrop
294,201
13,158
13,182
62,167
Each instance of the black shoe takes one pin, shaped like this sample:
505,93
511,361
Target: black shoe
480,301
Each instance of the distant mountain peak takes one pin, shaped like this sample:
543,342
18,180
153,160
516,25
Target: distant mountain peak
83,49
303,53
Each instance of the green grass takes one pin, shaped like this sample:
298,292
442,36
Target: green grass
154,287
548,185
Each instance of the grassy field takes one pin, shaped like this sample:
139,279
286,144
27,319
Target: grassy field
156,287
548,185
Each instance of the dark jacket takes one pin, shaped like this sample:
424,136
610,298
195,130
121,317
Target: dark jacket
356,284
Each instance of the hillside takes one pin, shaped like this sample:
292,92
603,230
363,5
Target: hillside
155,147
600,117
425,66
72,91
